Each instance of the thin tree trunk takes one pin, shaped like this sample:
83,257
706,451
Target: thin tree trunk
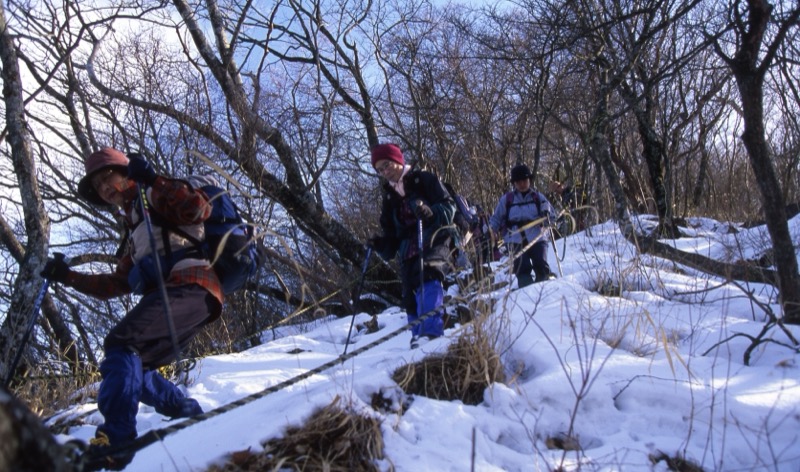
37,224
749,77
599,151
702,170
653,153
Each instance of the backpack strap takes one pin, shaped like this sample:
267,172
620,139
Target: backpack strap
510,202
123,244
166,228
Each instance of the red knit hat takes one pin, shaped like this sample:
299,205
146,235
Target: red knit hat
97,161
387,152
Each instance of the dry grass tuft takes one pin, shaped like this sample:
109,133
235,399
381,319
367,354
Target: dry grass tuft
371,326
675,463
333,439
462,373
391,400
46,393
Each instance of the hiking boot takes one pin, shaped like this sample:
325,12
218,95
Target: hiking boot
101,454
549,276
186,408
524,280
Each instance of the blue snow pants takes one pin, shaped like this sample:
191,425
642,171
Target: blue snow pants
137,346
418,302
125,384
429,298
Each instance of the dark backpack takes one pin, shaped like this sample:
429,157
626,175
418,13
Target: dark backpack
230,242
465,218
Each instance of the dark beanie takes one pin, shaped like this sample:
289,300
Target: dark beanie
387,152
520,172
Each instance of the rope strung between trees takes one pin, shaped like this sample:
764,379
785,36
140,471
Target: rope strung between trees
156,435
153,436
191,360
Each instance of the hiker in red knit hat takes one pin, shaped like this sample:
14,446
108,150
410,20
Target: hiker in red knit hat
414,198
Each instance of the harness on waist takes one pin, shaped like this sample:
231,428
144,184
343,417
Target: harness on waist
144,275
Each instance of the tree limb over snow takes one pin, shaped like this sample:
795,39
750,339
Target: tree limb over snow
737,271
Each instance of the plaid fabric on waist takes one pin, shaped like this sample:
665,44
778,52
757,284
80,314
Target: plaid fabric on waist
200,275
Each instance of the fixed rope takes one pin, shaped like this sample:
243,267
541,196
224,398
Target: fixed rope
155,435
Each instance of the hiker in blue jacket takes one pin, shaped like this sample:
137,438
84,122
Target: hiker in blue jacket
511,219
410,196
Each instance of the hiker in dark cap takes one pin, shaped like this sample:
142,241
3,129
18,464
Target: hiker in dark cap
513,218
411,196
142,341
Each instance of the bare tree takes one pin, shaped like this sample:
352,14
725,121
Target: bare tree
254,144
287,98
28,281
757,31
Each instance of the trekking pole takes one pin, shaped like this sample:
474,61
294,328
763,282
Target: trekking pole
358,296
564,239
31,324
555,250
420,247
162,287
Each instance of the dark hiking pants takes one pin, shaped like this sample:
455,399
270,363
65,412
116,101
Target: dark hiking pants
138,345
533,260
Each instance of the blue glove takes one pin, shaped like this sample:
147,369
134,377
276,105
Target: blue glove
56,269
139,170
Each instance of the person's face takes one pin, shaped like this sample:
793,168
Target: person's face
390,170
522,185
110,184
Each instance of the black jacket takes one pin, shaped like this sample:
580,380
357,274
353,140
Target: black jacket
400,234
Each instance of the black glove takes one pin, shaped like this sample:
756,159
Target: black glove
139,170
378,243
423,211
56,269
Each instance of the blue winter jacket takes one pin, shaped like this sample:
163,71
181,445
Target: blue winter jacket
523,209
